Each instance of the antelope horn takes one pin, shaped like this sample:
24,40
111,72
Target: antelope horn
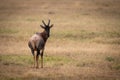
43,23
48,22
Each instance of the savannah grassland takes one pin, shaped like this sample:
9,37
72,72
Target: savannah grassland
84,42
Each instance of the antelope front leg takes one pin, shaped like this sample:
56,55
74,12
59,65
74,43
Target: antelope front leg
41,61
42,58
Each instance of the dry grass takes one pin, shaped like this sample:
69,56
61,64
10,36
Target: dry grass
84,42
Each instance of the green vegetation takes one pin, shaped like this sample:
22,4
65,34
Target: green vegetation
117,66
7,31
28,60
110,59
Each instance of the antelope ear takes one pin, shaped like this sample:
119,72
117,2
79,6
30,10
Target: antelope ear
51,26
42,26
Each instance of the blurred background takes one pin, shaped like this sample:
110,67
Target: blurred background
84,42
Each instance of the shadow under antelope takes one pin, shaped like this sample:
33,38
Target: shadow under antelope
37,43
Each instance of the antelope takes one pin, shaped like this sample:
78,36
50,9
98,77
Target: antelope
37,43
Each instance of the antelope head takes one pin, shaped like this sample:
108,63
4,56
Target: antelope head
46,27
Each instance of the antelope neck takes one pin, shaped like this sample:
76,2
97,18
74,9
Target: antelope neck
44,35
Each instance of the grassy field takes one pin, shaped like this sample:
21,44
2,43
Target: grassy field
84,42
